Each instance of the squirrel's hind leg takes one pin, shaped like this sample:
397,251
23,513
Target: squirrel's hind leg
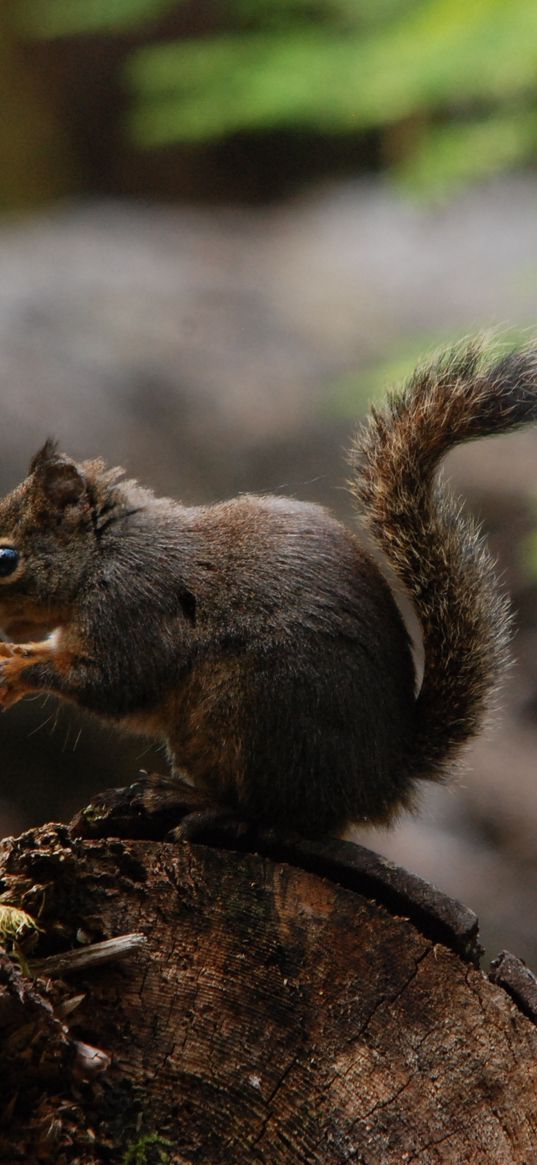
211,826
164,807
149,808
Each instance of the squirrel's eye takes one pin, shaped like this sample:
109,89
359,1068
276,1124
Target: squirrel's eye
9,560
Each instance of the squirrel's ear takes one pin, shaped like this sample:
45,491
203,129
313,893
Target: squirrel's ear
48,452
57,477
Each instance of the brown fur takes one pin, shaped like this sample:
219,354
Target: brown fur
436,551
257,637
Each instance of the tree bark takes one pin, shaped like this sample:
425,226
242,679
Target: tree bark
322,1009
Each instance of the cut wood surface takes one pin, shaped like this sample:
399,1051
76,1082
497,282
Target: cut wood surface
274,1015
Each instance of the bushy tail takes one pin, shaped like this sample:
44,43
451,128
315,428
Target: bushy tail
434,549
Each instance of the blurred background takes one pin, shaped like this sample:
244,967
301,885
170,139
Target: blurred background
225,227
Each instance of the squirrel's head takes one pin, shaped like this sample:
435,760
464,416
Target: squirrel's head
49,535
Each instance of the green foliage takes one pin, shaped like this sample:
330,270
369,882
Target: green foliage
15,923
16,927
148,1150
451,85
54,18
343,13
438,52
453,155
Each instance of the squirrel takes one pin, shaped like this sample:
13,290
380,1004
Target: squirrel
257,637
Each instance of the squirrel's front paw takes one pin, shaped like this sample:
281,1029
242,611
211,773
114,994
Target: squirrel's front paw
12,687
10,650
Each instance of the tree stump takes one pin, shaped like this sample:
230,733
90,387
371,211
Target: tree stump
305,1005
